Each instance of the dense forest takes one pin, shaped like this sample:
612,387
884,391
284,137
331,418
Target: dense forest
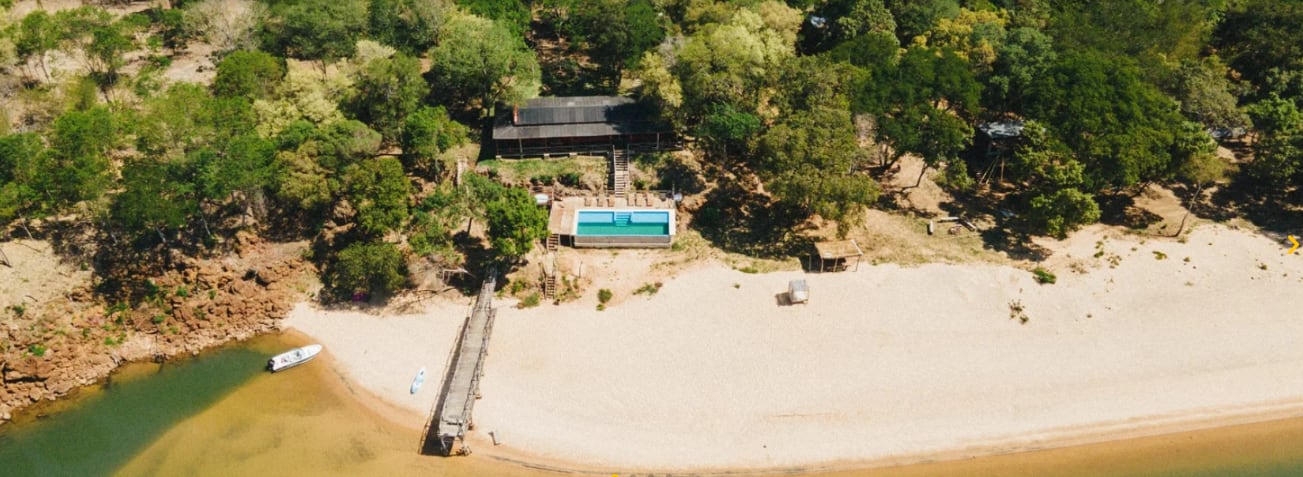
333,120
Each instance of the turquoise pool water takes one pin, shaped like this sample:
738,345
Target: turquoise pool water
623,222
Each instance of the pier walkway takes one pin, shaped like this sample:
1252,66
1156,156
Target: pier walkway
451,416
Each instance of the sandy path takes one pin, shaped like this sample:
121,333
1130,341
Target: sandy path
883,362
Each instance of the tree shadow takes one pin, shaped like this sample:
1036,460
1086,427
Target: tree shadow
1271,210
742,221
1121,210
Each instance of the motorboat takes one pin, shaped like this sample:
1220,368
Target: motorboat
293,357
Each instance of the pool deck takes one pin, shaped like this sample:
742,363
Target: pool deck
561,220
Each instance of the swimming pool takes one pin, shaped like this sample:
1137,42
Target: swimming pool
623,223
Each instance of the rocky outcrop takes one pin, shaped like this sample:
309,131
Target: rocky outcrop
200,304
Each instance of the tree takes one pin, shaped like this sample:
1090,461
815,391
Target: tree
156,197
1053,182
728,63
386,91
916,17
227,25
513,15
411,26
1260,38
38,34
515,222
724,128
1207,96
105,54
427,133
480,63
616,33
843,21
810,161
248,74
1119,127
320,30
1203,169
25,168
1025,55
79,144
244,165
376,267
378,190
924,100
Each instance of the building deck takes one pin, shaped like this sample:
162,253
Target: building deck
561,219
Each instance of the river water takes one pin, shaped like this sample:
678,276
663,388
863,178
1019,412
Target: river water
219,414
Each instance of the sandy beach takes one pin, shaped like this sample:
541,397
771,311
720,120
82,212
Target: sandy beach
886,364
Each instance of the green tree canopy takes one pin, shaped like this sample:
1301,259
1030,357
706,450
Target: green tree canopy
615,33
427,133
385,92
248,74
378,190
1119,127
318,30
481,63
375,267
25,169
156,197
79,146
411,26
515,222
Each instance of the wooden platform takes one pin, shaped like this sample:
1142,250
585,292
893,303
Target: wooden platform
561,219
451,416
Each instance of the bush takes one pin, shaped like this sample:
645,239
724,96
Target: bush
531,301
372,267
604,295
648,289
569,179
1044,276
37,350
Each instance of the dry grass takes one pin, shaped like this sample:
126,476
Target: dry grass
903,239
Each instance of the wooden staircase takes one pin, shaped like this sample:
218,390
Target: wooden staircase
619,171
549,279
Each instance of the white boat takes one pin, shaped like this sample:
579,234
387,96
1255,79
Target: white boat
293,357
420,379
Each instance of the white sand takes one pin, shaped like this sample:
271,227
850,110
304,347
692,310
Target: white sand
382,354
882,363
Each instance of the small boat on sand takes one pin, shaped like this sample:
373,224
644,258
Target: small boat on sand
293,357
420,379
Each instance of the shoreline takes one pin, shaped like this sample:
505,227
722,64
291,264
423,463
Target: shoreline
537,351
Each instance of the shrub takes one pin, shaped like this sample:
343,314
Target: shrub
182,292
1044,276
37,350
158,319
1159,255
648,289
568,179
604,295
531,301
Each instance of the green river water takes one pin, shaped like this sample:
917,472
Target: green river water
220,414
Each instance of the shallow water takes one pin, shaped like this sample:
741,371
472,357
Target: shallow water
219,414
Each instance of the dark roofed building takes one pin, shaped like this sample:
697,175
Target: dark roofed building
580,125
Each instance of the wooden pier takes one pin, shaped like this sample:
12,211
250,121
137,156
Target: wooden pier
451,416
